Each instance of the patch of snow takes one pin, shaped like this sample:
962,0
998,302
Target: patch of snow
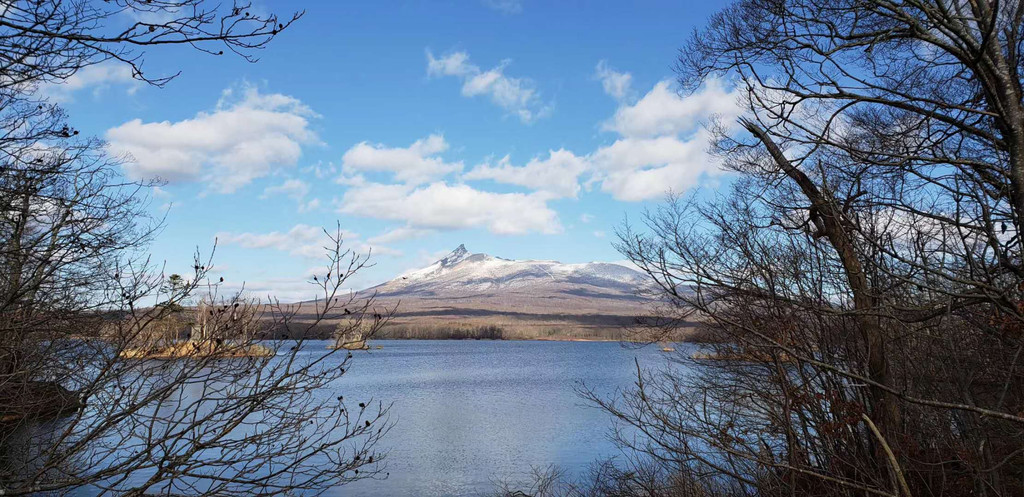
460,269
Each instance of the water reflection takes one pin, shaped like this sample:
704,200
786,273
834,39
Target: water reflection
470,413
465,413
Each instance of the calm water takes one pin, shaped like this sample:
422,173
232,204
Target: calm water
469,413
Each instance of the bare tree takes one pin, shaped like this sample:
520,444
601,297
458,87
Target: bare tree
49,41
865,267
221,420
215,419
80,406
67,223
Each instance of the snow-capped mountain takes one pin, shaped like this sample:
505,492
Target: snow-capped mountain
462,274
478,295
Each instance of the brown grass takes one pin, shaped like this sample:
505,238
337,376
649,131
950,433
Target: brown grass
186,349
498,329
349,345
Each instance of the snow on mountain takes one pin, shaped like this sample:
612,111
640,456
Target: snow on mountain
476,294
461,274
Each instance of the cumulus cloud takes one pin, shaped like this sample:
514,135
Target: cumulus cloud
453,64
301,240
443,206
297,241
617,84
98,77
662,111
247,136
636,169
309,206
321,170
284,290
662,145
557,175
415,164
294,288
295,189
400,234
517,96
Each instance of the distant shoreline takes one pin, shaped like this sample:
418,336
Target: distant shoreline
552,339
453,339
549,339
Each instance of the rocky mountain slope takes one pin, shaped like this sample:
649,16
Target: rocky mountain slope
461,274
480,295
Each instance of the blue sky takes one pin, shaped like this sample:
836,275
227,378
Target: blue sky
524,129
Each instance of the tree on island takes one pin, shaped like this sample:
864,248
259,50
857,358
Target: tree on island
77,290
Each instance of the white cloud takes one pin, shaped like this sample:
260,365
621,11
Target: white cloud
516,95
442,206
310,206
321,170
505,6
376,249
294,288
247,136
301,240
415,164
631,154
635,169
296,189
453,64
100,77
285,290
599,234
400,234
662,145
662,111
557,174
617,84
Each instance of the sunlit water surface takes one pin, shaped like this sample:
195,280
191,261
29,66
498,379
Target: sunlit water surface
469,414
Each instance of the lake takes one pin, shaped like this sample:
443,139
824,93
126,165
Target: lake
470,413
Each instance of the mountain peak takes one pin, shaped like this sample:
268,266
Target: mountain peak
455,256
462,273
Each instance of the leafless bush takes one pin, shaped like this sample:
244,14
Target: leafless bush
864,267
216,420
80,406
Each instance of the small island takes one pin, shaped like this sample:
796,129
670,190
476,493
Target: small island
350,337
221,331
